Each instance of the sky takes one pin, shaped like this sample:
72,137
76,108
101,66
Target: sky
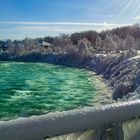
39,18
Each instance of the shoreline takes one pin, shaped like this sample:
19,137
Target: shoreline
113,69
112,73
102,89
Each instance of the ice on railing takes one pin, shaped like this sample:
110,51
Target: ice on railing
131,129
86,135
107,121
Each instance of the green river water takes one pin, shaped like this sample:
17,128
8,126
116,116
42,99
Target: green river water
28,89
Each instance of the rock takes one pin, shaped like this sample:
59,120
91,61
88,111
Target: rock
136,81
121,90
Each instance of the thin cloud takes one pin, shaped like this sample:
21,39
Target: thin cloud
63,23
136,18
19,30
37,28
66,28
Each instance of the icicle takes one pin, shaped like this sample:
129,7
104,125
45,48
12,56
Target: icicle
132,130
86,135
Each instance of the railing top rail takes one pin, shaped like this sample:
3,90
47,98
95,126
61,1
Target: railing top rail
38,127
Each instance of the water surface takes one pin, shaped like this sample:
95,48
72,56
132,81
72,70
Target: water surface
36,88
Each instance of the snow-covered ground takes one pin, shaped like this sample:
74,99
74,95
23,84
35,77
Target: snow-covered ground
136,57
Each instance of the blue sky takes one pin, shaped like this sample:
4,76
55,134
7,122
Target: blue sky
38,18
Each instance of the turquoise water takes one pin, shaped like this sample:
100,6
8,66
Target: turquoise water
36,88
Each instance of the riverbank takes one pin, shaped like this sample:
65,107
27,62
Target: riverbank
122,73
118,72
103,90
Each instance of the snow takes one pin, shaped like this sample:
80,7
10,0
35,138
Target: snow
86,135
100,55
135,57
46,44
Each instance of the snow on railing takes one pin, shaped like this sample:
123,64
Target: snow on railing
104,119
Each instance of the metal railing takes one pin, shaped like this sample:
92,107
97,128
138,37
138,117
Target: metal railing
105,119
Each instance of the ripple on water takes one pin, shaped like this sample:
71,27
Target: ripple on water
33,88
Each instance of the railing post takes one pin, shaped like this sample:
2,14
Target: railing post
118,132
110,132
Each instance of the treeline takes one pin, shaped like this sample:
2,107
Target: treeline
20,47
115,41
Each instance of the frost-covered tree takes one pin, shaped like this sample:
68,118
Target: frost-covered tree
118,42
130,42
122,45
61,43
137,43
110,44
99,44
83,47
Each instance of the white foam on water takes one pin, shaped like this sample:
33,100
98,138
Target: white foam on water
23,91
21,94
103,92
